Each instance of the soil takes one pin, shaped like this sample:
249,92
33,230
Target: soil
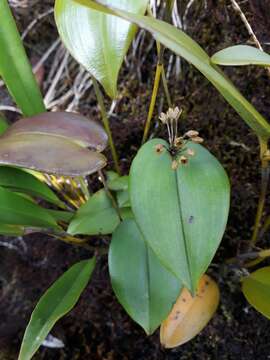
98,328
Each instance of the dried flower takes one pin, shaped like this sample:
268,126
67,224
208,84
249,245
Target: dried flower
183,160
192,133
174,113
159,148
163,118
178,142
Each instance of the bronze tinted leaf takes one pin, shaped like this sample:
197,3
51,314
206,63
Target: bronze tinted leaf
49,154
74,127
190,314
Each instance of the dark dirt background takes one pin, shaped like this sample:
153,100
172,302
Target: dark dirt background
98,328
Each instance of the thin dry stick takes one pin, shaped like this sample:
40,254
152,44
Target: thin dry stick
251,33
106,124
263,144
50,93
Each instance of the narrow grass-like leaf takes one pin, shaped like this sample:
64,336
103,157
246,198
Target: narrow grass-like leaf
142,285
184,46
21,181
256,288
11,230
3,124
182,213
97,41
58,300
59,215
15,68
18,210
241,55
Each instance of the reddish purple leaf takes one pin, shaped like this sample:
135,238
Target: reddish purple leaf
68,125
50,154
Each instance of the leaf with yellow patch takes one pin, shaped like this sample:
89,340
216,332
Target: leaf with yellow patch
190,314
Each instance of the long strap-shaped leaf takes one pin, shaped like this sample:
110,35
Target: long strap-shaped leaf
14,66
59,299
180,43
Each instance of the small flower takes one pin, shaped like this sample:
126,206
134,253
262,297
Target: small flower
197,139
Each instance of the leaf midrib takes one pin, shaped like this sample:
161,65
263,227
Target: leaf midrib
182,228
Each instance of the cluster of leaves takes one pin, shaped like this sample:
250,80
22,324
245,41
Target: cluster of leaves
166,221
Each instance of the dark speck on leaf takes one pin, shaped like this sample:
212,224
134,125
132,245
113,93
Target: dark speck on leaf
191,219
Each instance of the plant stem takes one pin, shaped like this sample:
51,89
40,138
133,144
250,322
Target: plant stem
264,184
105,121
84,188
165,87
153,101
160,73
81,243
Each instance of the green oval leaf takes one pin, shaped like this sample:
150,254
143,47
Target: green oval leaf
97,41
67,125
118,183
21,181
49,154
182,213
256,288
241,55
184,46
17,210
58,300
96,216
15,68
142,285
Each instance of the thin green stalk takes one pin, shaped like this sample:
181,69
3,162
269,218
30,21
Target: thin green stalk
265,227
105,121
153,101
264,184
165,87
84,187
160,74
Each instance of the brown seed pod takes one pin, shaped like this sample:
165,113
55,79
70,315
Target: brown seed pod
190,314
